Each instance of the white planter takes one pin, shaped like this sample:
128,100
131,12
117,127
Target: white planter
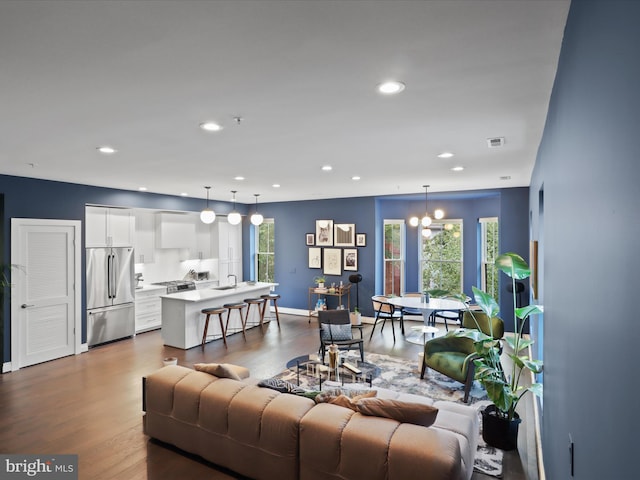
356,318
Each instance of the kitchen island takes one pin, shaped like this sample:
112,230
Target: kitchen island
183,321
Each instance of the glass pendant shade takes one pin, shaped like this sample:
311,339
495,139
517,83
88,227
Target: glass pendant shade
234,217
414,221
207,215
426,232
426,221
439,214
256,218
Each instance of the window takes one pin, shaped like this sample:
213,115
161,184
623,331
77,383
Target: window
393,257
265,250
441,257
489,245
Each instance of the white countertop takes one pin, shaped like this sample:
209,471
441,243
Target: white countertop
146,288
213,293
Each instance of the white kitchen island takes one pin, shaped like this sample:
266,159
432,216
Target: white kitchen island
183,321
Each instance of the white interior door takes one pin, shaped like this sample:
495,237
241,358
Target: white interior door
45,304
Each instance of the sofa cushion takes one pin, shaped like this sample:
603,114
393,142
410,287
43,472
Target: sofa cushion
223,370
350,402
403,412
337,332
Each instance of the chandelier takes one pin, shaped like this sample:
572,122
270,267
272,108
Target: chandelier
426,220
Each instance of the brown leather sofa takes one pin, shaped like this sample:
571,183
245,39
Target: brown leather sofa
263,434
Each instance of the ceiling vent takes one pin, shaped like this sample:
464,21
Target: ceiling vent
495,142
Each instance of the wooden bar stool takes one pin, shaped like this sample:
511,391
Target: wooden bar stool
213,311
235,306
268,298
257,302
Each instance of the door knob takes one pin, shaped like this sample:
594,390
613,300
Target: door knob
24,305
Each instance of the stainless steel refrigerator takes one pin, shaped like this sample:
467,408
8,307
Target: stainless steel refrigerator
110,294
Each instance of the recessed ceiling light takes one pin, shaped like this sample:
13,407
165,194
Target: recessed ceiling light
142,189
355,177
239,177
106,149
445,155
276,185
459,168
391,88
505,177
211,126
327,168
184,194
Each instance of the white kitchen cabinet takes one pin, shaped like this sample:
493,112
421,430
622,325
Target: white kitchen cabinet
109,227
229,240
149,309
175,230
201,248
145,243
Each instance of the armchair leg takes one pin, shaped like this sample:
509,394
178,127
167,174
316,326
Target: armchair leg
423,369
467,385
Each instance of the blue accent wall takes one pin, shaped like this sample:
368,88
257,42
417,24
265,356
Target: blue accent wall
589,171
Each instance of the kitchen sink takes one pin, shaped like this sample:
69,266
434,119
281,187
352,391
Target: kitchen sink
226,287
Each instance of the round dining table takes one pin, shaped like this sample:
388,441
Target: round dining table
427,308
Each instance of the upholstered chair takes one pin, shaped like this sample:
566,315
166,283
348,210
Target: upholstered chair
453,356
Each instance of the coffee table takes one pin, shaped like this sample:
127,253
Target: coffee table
311,367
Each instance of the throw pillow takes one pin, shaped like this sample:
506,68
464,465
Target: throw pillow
336,332
404,412
328,395
278,384
221,370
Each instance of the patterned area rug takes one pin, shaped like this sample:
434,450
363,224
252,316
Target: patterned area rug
402,375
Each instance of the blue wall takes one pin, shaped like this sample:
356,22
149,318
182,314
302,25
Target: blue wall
589,171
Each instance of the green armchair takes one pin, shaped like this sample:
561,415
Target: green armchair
453,356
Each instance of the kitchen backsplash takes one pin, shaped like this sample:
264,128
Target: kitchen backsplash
168,266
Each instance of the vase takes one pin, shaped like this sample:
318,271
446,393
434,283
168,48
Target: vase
320,284
498,431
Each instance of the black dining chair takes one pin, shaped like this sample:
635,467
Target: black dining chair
335,328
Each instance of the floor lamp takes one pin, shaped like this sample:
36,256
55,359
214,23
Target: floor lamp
356,278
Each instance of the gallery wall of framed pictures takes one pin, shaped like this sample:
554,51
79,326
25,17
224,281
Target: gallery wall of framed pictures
325,247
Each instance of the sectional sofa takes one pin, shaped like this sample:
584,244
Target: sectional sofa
264,434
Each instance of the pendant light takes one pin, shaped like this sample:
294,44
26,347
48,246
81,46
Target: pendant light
234,217
426,220
207,215
256,218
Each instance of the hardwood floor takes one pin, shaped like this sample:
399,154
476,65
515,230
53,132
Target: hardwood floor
90,404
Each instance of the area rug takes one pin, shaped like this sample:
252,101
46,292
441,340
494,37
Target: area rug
403,376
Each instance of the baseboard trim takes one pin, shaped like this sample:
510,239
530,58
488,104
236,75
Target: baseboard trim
6,367
305,313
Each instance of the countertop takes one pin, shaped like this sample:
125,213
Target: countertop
213,293
147,288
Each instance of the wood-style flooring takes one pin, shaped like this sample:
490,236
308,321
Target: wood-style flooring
90,404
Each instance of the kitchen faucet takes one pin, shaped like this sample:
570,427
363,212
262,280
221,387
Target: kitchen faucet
235,279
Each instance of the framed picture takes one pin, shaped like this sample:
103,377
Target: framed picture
361,240
344,235
311,239
332,261
324,233
315,257
350,259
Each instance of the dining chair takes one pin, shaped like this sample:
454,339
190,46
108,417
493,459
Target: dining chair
409,310
386,311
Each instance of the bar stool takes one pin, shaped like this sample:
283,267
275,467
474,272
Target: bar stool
235,306
213,311
267,299
257,302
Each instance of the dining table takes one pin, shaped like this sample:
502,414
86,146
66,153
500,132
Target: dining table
426,308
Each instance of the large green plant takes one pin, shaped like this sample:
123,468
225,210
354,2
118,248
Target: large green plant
503,388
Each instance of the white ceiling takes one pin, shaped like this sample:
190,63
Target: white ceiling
142,75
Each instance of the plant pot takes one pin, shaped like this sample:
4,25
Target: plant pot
320,284
499,432
356,318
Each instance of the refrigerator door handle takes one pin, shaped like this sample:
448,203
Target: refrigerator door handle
109,275
114,277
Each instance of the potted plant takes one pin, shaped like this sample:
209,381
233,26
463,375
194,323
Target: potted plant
500,421
356,317
319,281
